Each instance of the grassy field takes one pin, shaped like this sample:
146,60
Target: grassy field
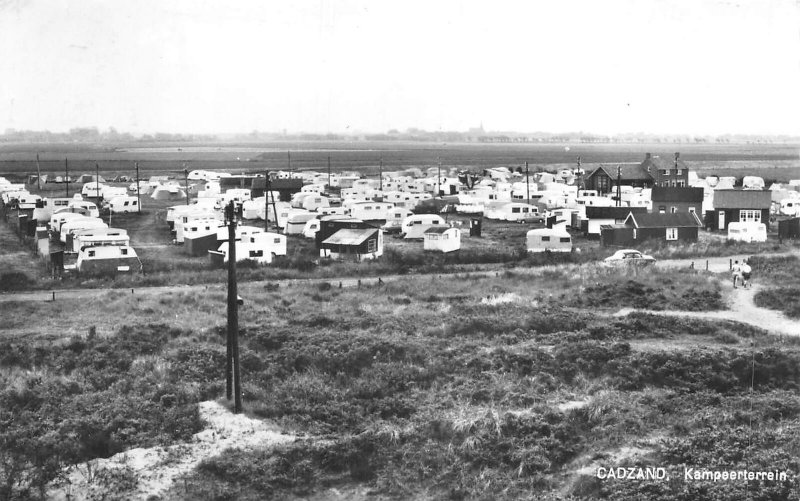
772,161
506,387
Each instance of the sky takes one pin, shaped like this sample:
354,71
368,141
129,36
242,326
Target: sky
206,66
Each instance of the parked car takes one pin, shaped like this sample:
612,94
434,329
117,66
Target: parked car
629,256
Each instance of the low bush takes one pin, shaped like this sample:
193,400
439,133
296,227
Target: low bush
784,299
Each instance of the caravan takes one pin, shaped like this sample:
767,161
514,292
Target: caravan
123,205
414,227
554,239
747,232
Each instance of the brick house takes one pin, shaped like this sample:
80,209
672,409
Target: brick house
604,178
666,172
672,200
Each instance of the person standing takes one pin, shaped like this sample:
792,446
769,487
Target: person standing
746,274
736,273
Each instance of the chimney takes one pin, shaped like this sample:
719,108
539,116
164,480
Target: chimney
677,154
647,156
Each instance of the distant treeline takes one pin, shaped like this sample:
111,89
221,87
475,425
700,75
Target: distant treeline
94,135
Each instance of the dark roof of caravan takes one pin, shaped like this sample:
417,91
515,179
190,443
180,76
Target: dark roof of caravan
437,229
657,220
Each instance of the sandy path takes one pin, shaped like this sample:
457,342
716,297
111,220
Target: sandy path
741,309
157,468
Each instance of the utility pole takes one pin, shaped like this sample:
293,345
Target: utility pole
527,185
66,175
439,178
579,173
186,182
619,187
266,200
289,157
97,183
380,174
232,380
38,174
329,173
138,189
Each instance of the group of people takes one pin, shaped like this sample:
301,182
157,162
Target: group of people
741,274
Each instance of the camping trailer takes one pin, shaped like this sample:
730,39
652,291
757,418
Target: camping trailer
548,239
442,239
371,211
296,223
98,236
108,260
394,218
83,223
414,227
123,205
747,232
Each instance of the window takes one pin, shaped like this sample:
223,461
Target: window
679,172
672,233
674,184
665,184
91,253
515,210
680,183
662,209
445,236
256,253
372,245
564,240
673,210
665,172
545,239
753,216
692,210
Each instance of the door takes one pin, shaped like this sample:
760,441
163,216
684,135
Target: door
721,220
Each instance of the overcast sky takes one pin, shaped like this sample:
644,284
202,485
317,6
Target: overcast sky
656,66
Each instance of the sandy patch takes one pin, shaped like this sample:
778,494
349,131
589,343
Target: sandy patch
140,473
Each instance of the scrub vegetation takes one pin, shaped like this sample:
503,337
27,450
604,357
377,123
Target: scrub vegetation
489,387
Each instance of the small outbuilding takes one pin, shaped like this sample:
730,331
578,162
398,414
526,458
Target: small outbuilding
357,244
442,239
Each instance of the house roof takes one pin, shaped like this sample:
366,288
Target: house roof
742,199
350,237
656,220
627,172
259,183
676,194
660,163
593,212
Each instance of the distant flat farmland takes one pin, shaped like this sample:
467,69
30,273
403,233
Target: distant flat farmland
364,156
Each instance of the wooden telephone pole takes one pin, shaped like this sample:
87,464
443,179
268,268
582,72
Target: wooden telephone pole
527,185
619,186
138,190
232,372
38,174
66,175
186,182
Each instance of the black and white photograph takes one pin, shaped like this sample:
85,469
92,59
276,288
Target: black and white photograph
381,250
